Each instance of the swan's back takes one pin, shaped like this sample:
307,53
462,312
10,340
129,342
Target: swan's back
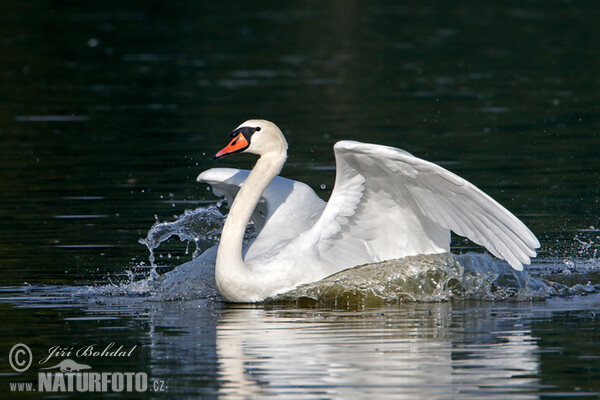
286,209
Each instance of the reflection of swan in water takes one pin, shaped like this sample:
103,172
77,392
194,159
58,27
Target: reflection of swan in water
386,204
402,353
418,350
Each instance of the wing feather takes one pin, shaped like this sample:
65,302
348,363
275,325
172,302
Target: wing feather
286,208
385,197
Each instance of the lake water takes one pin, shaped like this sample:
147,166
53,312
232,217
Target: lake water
108,112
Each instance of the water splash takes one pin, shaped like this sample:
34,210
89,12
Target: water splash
191,280
147,287
438,277
201,226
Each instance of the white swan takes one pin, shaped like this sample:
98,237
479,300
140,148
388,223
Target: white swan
386,204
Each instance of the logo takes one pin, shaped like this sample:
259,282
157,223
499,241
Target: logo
69,366
20,357
68,376
90,382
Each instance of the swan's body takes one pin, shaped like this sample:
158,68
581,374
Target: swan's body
385,204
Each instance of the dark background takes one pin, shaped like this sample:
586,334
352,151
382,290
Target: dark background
109,110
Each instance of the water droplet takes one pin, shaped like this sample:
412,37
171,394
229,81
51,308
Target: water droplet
323,186
93,42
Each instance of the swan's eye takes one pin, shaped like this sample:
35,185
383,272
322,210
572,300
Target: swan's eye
257,129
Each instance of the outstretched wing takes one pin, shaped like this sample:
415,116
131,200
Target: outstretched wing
386,203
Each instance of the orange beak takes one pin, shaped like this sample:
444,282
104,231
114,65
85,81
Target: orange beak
238,144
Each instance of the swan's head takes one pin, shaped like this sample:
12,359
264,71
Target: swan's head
256,136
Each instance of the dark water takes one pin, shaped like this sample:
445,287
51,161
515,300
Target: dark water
109,110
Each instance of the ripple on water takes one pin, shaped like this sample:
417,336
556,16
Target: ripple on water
425,278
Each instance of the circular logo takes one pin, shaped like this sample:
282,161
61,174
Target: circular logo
20,357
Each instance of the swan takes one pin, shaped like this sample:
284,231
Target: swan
386,204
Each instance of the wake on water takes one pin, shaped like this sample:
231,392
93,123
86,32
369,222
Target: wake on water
438,277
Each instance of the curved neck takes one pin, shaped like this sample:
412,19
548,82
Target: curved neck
233,278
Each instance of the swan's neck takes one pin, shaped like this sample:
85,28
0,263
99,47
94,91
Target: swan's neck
234,280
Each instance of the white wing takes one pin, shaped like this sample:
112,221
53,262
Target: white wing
226,182
286,208
386,204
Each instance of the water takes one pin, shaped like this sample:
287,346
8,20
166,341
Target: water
109,111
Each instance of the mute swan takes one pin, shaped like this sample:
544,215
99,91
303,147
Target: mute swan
386,204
